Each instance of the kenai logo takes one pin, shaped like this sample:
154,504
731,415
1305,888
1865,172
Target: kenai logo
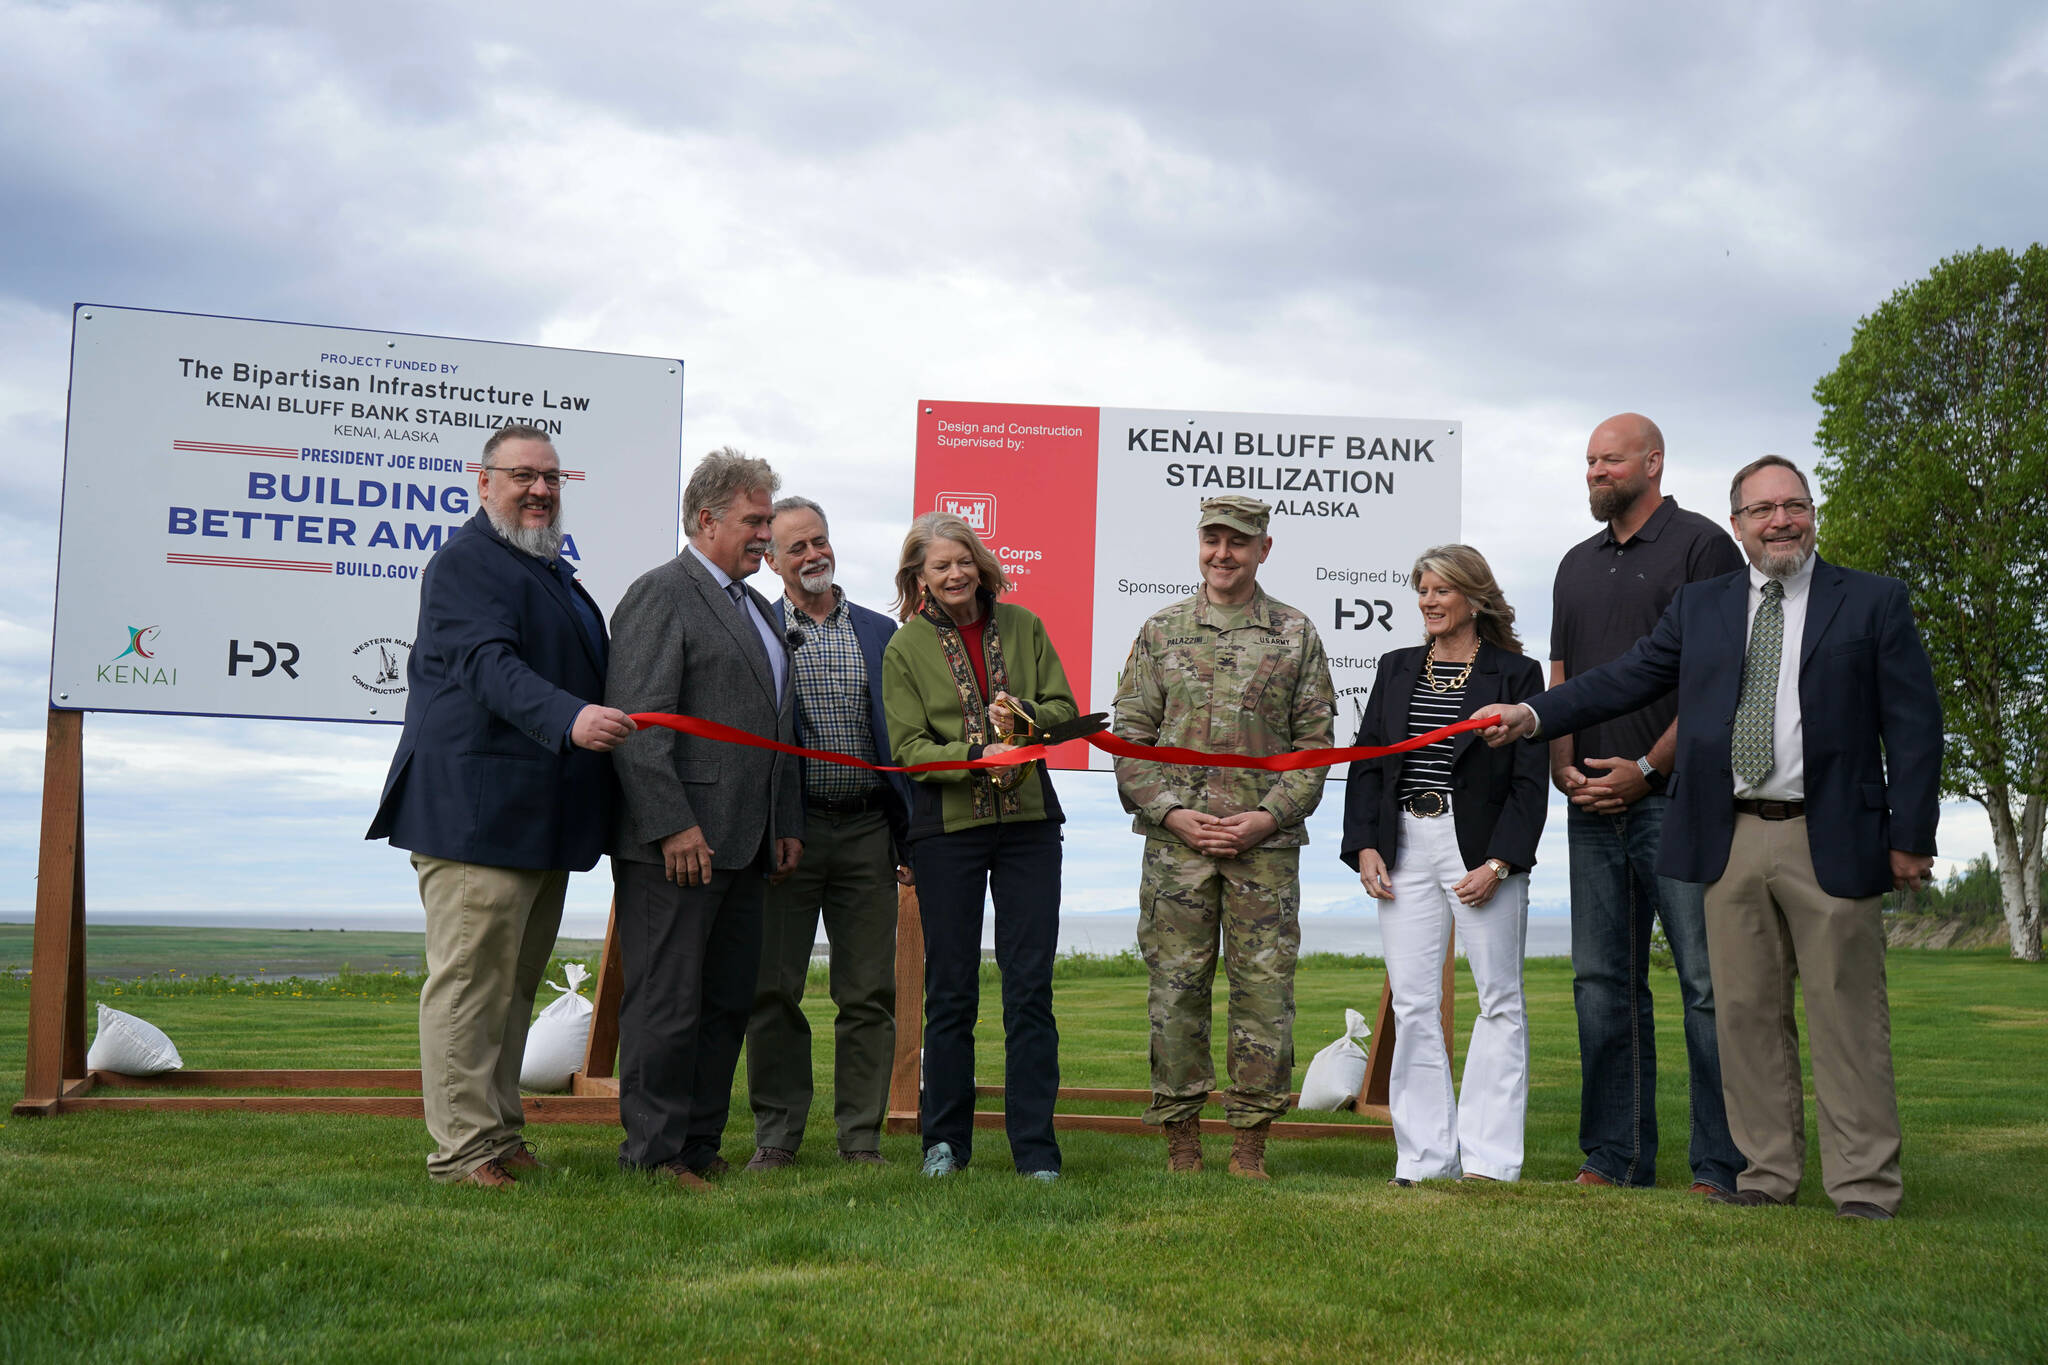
978,510
147,672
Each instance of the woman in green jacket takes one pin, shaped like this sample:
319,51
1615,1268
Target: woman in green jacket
962,677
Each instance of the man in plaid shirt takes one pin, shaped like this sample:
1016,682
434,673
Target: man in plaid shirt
853,859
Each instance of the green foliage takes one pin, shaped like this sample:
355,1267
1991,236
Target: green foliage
1934,433
1971,895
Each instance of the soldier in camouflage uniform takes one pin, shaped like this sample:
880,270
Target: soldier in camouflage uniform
1228,670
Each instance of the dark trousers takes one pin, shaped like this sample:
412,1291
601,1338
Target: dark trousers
1018,863
691,956
1616,897
848,874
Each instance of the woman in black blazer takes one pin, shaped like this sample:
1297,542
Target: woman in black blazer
1443,834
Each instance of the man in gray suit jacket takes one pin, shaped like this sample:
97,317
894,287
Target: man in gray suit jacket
705,824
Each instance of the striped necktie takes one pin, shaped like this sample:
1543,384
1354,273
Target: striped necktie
1756,715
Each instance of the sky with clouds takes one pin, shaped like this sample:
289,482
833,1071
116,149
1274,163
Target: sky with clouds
1521,217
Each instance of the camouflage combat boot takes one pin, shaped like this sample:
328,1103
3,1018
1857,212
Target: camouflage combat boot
1248,1152
1184,1146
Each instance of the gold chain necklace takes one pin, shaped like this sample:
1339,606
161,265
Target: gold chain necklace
1456,684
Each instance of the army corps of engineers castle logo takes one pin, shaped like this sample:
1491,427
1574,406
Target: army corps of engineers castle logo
137,665
380,665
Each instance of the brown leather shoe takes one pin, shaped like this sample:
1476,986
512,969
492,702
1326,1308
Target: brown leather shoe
1593,1178
1248,1152
714,1168
520,1158
772,1159
492,1175
683,1176
1184,1146
864,1158
1702,1187
1757,1199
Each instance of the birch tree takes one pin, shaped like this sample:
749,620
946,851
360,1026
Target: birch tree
1934,470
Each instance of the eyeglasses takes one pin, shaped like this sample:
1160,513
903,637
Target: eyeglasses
1796,508
522,477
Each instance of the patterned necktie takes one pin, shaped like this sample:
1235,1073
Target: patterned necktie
1756,715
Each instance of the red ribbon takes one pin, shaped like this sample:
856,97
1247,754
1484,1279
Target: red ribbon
1106,742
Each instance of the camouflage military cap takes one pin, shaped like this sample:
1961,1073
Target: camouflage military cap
1248,515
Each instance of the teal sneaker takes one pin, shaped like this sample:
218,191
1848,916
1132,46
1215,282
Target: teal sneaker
940,1160
1047,1176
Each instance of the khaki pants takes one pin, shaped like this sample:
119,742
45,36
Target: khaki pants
489,933
1768,918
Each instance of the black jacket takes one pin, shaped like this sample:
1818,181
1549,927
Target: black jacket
1498,796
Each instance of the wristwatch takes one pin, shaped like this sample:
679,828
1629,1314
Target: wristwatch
1500,869
1651,775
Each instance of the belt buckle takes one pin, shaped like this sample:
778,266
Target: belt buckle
1438,799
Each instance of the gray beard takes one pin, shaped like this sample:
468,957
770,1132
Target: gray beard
1783,565
819,582
542,542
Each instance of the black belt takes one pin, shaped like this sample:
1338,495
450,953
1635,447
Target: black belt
846,805
1428,805
1771,810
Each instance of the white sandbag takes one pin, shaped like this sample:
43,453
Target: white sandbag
558,1039
128,1046
1338,1070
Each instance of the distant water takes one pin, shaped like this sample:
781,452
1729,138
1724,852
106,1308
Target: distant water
1104,932
1109,932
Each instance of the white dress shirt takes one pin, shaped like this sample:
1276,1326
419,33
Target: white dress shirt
771,640
1787,778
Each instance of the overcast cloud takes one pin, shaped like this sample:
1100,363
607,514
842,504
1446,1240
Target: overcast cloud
1523,218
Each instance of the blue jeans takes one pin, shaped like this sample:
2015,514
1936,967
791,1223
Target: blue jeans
1616,894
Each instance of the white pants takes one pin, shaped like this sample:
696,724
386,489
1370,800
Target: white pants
1480,1132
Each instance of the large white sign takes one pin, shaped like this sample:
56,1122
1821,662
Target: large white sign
1093,510
248,505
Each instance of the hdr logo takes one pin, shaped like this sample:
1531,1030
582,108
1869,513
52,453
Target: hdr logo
978,510
280,657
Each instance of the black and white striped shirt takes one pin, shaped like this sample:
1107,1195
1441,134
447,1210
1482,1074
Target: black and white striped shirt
1428,769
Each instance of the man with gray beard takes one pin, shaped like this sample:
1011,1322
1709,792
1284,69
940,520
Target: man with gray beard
1808,784
854,826
500,789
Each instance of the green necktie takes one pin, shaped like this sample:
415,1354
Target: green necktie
1757,713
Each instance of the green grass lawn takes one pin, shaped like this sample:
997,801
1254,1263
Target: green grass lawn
185,1237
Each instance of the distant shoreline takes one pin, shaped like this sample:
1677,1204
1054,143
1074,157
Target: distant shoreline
137,943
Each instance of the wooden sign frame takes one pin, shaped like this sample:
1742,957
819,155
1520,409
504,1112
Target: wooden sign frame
57,1080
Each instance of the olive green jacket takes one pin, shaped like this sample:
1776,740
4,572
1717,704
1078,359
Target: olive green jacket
927,722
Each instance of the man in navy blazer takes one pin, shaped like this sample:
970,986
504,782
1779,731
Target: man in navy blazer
854,857
1807,784
500,789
